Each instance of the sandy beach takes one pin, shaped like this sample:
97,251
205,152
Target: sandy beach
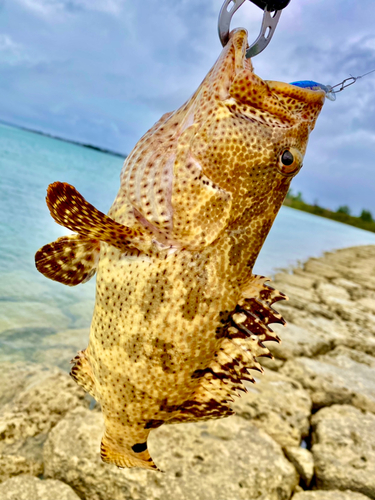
305,430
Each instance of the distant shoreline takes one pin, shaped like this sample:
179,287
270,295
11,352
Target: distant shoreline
344,218
77,143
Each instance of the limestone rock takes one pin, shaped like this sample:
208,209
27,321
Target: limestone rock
273,364
15,464
30,488
340,377
333,295
38,408
303,461
219,459
329,495
343,449
298,341
322,268
332,299
15,377
279,406
25,421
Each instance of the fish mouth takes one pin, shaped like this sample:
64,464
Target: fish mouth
287,103
305,95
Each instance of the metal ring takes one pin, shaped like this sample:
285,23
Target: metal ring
269,23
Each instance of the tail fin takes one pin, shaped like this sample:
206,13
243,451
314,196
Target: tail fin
122,457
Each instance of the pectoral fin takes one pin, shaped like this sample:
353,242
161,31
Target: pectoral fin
70,260
69,209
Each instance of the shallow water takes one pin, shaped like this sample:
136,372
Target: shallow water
44,321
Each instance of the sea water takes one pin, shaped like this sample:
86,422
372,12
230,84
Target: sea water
41,320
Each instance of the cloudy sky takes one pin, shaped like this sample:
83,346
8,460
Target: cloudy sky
103,71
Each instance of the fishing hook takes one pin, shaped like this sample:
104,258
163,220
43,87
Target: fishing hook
272,12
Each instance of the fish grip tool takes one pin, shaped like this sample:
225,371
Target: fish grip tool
272,12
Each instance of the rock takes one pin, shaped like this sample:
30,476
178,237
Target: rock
340,377
39,407
25,421
219,459
15,377
329,495
322,268
298,341
30,488
354,290
303,461
279,406
273,364
13,465
332,299
333,295
343,449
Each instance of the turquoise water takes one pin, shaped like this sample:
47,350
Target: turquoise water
40,319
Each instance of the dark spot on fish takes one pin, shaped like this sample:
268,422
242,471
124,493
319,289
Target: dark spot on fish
154,424
139,447
224,318
157,288
168,408
198,373
164,353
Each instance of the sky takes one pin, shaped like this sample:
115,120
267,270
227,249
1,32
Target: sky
104,71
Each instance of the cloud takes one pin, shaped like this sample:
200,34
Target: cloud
12,53
51,7
7,44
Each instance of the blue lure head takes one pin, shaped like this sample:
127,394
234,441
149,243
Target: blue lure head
309,84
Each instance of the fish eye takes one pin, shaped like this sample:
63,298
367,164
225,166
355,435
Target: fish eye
287,158
290,161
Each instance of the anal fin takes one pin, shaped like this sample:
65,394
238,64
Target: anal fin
70,260
81,372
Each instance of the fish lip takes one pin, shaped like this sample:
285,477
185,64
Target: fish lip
299,93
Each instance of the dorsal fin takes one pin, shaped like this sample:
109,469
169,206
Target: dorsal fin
70,209
242,336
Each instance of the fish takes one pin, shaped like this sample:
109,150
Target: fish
179,318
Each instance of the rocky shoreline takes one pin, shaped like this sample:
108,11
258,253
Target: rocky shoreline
304,430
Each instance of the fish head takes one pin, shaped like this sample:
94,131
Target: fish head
229,152
254,133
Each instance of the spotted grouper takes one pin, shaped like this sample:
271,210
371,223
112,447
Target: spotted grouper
179,318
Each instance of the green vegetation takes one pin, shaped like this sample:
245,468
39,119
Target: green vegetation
342,214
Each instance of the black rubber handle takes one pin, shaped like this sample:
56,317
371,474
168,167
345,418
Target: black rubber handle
271,5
